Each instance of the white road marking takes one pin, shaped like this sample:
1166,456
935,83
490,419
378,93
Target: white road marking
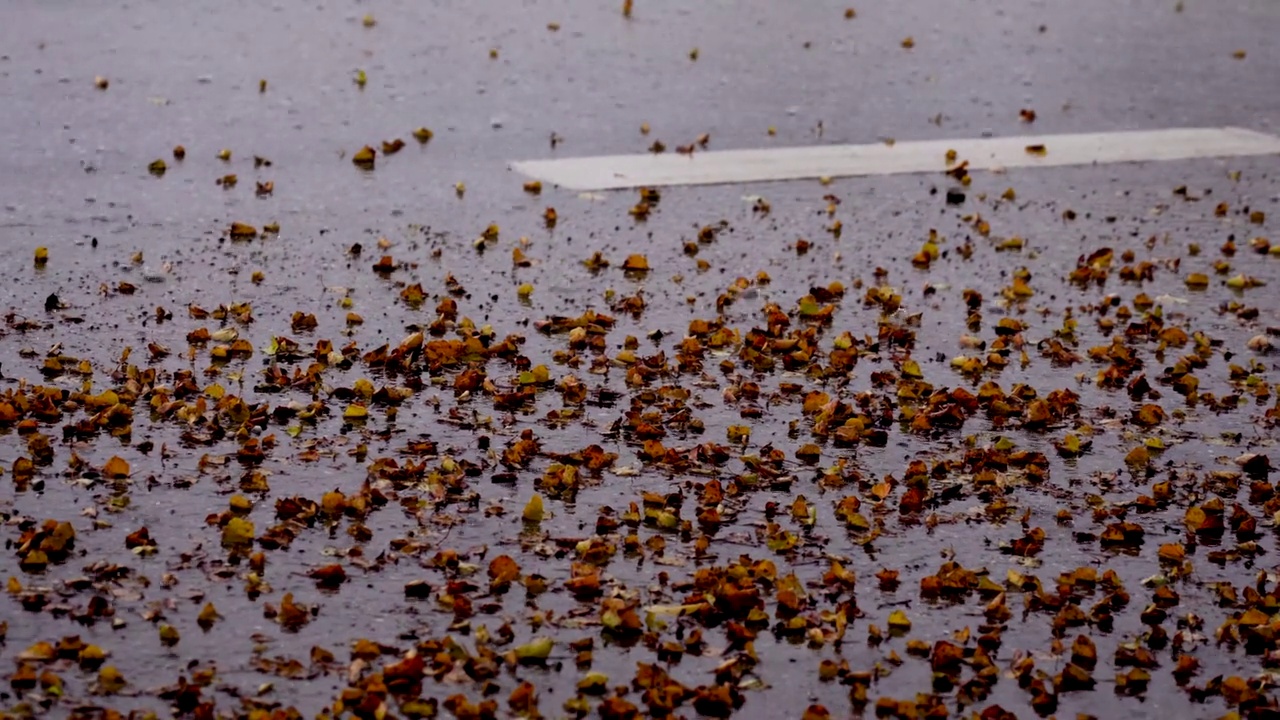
614,172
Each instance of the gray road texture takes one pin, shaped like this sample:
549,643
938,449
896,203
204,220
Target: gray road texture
189,75
74,179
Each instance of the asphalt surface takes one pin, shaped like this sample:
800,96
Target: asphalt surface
495,84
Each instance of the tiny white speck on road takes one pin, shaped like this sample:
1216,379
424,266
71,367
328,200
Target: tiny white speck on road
615,172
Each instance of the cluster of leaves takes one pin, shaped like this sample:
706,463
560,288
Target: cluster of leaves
689,510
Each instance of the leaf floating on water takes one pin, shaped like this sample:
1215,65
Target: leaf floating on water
242,231
423,135
41,256
368,20
101,82
908,42
361,78
158,167
1037,150
393,147
224,155
626,8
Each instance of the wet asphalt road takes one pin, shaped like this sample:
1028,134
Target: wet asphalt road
73,177
189,74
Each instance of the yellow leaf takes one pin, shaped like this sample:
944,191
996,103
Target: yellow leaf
1138,457
208,616
168,635
91,656
365,157
237,532
898,621
537,649
1197,280
110,681
911,369
533,511
636,263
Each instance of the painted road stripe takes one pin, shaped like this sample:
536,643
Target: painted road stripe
613,172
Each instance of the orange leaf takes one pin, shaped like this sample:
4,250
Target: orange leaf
503,571
116,468
636,263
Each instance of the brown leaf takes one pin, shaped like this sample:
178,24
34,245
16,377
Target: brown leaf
329,576
291,615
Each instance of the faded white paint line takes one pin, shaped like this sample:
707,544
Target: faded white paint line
614,172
